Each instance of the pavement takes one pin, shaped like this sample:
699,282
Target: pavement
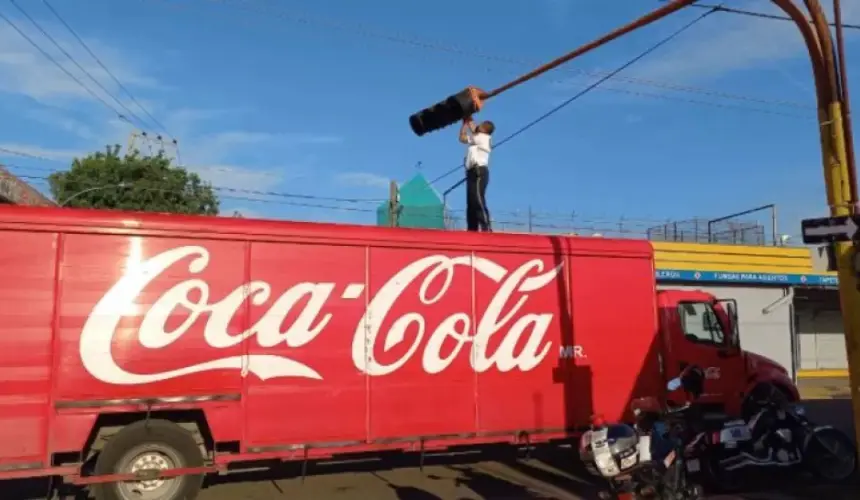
548,475
824,388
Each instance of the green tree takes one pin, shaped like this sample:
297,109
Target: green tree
107,180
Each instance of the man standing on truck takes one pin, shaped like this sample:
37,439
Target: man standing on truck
477,163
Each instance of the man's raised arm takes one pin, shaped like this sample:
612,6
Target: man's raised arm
467,129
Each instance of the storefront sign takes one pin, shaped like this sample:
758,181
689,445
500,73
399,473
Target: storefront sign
752,278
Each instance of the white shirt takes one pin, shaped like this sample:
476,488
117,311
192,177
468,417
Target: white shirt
478,153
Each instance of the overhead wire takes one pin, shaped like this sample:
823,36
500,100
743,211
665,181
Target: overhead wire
577,226
511,221
589,88
368,32
565,220
255,192
628,90
63,68
760,15
104,67
74,61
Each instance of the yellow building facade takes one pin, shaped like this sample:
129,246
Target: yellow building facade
691,262
762,275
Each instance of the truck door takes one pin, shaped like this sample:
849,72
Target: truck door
702,339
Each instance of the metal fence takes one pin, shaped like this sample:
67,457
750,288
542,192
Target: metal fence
729,232
695,230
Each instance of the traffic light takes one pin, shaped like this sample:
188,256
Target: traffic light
450,111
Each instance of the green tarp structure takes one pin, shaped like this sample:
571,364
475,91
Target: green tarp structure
420,206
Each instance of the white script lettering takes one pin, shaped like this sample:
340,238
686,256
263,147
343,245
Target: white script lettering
500,318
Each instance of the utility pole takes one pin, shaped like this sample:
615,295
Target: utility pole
143,138
530,219
168,148
393,204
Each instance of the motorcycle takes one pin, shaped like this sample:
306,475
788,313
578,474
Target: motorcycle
778,437
641,461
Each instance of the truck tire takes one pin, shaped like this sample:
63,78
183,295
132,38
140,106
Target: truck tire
145,445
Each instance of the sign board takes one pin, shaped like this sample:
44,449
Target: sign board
830,229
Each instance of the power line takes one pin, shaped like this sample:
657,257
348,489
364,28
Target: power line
675,98
761,15
361,30
589,88
75,62
533,225
106,70
566,221
589,226
67,72
24,154
254,192
32,156
536,215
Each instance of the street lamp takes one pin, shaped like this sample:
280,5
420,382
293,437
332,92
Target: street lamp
121,185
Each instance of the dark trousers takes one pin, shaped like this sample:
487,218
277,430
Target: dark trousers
477,214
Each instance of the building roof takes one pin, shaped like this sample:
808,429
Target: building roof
14,190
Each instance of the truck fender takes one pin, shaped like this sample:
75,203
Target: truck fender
777,380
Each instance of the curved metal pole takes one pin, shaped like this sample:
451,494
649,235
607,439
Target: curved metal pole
90,190
844,97
809,36
840,178
839,170
813,46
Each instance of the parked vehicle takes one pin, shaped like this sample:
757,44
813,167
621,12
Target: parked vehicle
781,439
147,350
650,459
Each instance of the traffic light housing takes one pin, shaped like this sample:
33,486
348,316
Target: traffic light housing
448,112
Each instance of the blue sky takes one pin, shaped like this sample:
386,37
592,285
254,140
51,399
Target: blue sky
313,97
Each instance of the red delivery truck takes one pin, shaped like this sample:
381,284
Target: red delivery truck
140,352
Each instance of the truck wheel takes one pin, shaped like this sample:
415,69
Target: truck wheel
153,444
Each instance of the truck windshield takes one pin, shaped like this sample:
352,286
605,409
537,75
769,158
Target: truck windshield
700,323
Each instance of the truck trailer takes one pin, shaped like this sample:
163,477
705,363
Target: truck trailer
144,351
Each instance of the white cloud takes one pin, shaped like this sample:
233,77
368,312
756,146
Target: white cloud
218,156
725,42
239,178
26,71
213,156
285,139
54,118
362,179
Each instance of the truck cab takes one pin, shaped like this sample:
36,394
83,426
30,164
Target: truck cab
697,328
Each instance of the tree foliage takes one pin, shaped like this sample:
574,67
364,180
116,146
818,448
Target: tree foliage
107,180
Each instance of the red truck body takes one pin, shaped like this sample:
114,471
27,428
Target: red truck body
302,340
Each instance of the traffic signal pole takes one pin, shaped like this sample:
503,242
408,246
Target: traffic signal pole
829,74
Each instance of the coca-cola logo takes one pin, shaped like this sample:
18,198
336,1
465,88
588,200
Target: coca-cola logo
503,316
